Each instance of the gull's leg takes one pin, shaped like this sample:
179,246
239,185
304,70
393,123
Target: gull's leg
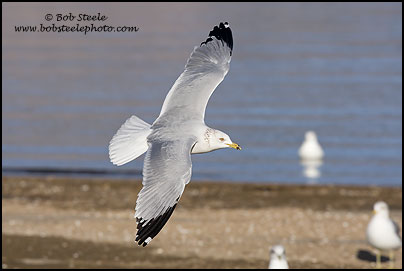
391,259
378,260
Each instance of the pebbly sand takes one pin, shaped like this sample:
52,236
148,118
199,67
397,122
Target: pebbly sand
50,222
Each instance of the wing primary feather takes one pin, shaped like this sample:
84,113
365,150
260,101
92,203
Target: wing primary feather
223,33
153,227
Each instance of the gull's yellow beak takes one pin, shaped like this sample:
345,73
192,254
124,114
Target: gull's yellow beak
374,212
234,146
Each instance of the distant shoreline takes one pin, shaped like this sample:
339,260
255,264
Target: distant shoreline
45,170
130,174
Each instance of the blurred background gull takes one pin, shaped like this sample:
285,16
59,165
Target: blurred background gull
311,157
277,258
334,68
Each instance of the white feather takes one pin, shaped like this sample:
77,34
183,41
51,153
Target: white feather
129,142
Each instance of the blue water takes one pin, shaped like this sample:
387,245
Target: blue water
335,68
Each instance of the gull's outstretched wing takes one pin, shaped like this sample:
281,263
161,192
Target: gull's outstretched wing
205,69
167,169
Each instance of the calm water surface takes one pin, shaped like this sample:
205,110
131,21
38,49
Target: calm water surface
332,68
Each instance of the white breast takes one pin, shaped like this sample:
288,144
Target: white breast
311,149
381,233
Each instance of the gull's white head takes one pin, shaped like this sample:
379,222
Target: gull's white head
381,208
220,140
278,251
212,140
311,136
278,258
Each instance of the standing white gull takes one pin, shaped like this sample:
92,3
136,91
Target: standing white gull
383,233
178,131
278,258
310,148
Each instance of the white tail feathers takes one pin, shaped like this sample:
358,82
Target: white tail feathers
129,142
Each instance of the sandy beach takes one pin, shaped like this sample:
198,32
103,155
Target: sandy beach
53,222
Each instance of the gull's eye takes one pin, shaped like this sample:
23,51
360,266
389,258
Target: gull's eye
221,139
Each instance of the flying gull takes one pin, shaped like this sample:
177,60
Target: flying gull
178,132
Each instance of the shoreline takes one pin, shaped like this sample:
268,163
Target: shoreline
352,197
86,222
135,174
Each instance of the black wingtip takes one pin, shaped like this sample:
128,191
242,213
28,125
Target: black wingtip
147,230
223,33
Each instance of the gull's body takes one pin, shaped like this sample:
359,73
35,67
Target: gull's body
278,258
383,233
178,131
310,148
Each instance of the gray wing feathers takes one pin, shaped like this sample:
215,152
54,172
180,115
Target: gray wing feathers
210,57
167,168
205,69
166,171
